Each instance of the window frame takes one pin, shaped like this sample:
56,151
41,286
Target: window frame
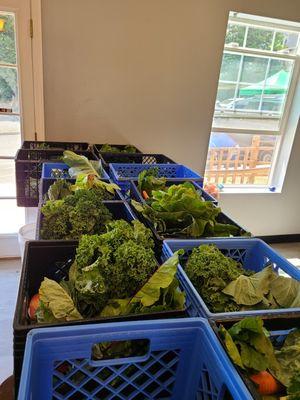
274,184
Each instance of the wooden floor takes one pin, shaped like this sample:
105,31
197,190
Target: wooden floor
9,281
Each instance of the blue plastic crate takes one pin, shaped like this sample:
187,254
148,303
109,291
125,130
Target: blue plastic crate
253,254
119,209
184,361
136,194
122,174
48,167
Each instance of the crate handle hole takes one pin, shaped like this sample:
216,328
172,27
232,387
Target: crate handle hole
137,349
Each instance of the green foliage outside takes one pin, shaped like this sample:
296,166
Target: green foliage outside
254,68
8,76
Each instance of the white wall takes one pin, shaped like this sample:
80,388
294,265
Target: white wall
146,72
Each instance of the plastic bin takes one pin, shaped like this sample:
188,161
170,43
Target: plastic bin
136,194
253,254
278,328
40,145
121,147
28,165
134,158
46,258
48,167
159,238
26,232
185,361
119,210
46,183
122,174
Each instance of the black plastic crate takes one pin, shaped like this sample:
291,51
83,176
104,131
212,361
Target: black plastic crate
222,218
44,259
134,158
278,327
119,210
46,183
28,165
121,147
40,145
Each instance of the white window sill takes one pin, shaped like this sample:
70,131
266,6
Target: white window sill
248,190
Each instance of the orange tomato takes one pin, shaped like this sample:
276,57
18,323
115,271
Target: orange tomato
267,384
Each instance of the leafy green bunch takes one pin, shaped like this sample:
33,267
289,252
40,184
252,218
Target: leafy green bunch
180,211
148,180
108,148
114,273
210,272
80,213
226,287
62,188
250,347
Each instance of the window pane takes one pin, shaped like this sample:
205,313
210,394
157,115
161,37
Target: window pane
9,97
230,67
235,35
286,42
254,69
225,95
10,135
7,178
11,216
240,158
7,39
258,38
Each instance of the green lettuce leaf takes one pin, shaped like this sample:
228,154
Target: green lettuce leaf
84,181
289,358
57,302
81,165
250,290
161,279
285,291
254,346
59,189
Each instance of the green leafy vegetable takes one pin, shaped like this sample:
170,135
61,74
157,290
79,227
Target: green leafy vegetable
294,386
148,180
160,292
180,211
251,341
289,359
80,213
210,272
108,148
251,290
56,304
81,165
59,189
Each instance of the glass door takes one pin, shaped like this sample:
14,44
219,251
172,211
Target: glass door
11,217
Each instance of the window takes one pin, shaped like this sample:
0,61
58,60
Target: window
10,128
258,76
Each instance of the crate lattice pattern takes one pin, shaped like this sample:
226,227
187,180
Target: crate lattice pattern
151,379
207,389
132,171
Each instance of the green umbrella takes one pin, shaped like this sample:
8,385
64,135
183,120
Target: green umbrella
275,84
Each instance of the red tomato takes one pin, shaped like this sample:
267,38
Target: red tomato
33,306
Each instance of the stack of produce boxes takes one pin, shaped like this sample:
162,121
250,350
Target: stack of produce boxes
154,246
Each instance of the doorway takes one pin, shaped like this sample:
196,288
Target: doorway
17,113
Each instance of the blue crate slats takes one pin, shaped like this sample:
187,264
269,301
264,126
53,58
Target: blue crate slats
185,361
122,174
252,253
48,167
